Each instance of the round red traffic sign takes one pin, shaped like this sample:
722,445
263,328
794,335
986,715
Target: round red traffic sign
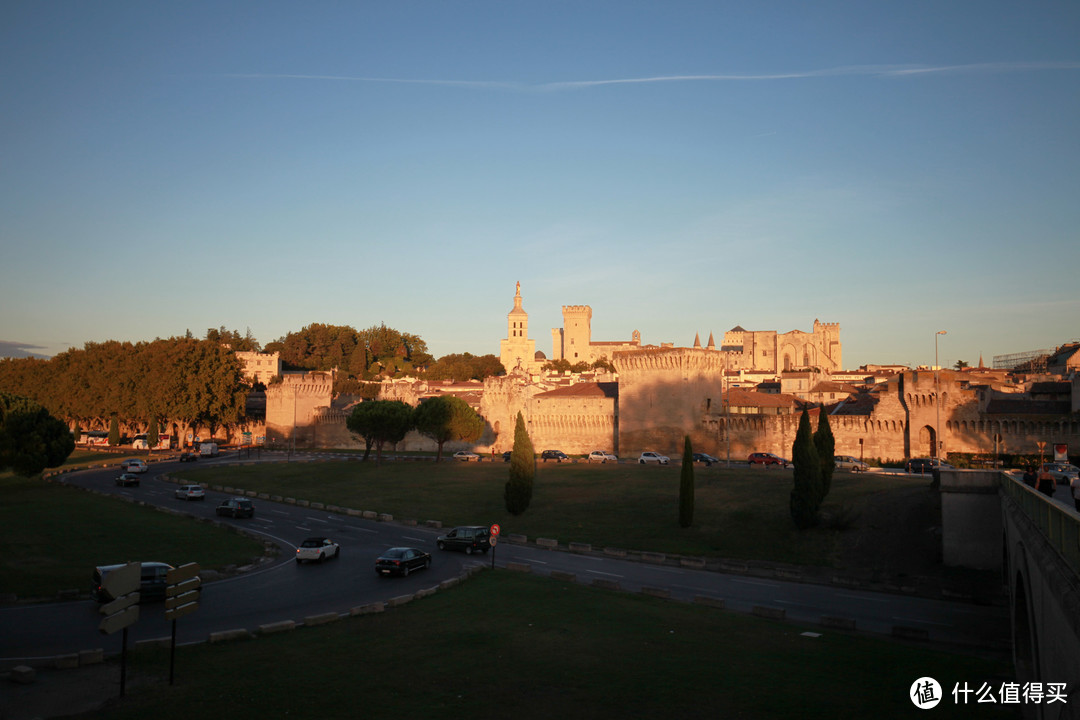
495,529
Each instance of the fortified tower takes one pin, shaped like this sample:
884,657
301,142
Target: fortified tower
572,340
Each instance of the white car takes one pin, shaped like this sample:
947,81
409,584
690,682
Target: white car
134,466
652,457
190,492
317,549
602,457
847,462
466,456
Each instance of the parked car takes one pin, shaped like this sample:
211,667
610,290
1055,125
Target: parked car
127,479
705,458
237,508
1062,472
466,456
767,459
602,457
506,456
317,549
925,465
188,457
151,586
134,466
468,538
190,492
402,561
556,455
653,457
847,462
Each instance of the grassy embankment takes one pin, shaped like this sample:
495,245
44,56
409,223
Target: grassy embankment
739,513
510,645
52,536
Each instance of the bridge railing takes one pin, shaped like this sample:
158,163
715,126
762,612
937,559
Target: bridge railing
1059,524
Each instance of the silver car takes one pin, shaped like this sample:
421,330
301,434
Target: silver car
1062,472
847,462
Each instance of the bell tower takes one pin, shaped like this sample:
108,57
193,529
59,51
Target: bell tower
517,350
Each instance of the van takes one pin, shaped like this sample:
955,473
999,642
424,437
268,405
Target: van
151,586
208,449
468,538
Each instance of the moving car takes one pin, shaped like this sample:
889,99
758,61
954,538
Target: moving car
653,457
925,465
705,458
237,508
466,456
317,549
188,457
190,492
134,466
468,538
847,462
506,455
126,479
402,561
556,455
767,459
1062,472
602,457
151,586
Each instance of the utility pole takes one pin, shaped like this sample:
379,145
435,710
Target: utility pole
939,443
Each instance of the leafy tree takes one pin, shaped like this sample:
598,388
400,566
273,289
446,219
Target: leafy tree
30,438
518,492
825,444
686,486
446,418
77,434
961,364
563,365
380,422
464,366
806,493
114,431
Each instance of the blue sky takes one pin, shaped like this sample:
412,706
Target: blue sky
898,168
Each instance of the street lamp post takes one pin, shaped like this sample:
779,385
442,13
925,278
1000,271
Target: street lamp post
937,397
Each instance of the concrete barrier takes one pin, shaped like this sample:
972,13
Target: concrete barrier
737,567
386,517
159,642
547,542
370,608
519,567
369,514
656,592
228,636
773,613
277,627
323,619
290,501
317,506
303,503
425,592
433,524
605,584
653,558
447,584
399,600
788,574
577,547
707,601
23,675
563,576
837,623
615,552
694,563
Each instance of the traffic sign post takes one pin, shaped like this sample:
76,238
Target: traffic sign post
493,540
182,591
123,585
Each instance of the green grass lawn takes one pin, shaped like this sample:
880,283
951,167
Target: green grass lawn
52,536
739,513
508,645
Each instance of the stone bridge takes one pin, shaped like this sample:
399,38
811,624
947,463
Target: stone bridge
993,520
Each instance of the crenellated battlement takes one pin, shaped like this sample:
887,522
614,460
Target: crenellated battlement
577,310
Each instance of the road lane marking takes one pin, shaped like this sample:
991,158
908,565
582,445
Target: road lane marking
315,519
755,582
860,597
922,622
597,572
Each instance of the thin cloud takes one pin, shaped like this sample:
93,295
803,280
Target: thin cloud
849,71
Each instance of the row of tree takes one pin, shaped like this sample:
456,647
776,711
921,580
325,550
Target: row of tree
30,438
195,383
443,418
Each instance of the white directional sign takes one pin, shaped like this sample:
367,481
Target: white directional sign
122,580
120,620
119,604
182,592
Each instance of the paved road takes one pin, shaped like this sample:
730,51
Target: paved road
287,591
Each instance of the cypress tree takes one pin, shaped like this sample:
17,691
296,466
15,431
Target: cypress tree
152,436
114,432
518,492
807,488
77,434
686,486
825,444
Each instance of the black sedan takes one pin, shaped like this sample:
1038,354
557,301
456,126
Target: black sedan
127,479
237,508
402,561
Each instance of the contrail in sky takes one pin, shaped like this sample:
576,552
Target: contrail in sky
850,71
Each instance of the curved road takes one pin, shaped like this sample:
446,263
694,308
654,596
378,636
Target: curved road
285,590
